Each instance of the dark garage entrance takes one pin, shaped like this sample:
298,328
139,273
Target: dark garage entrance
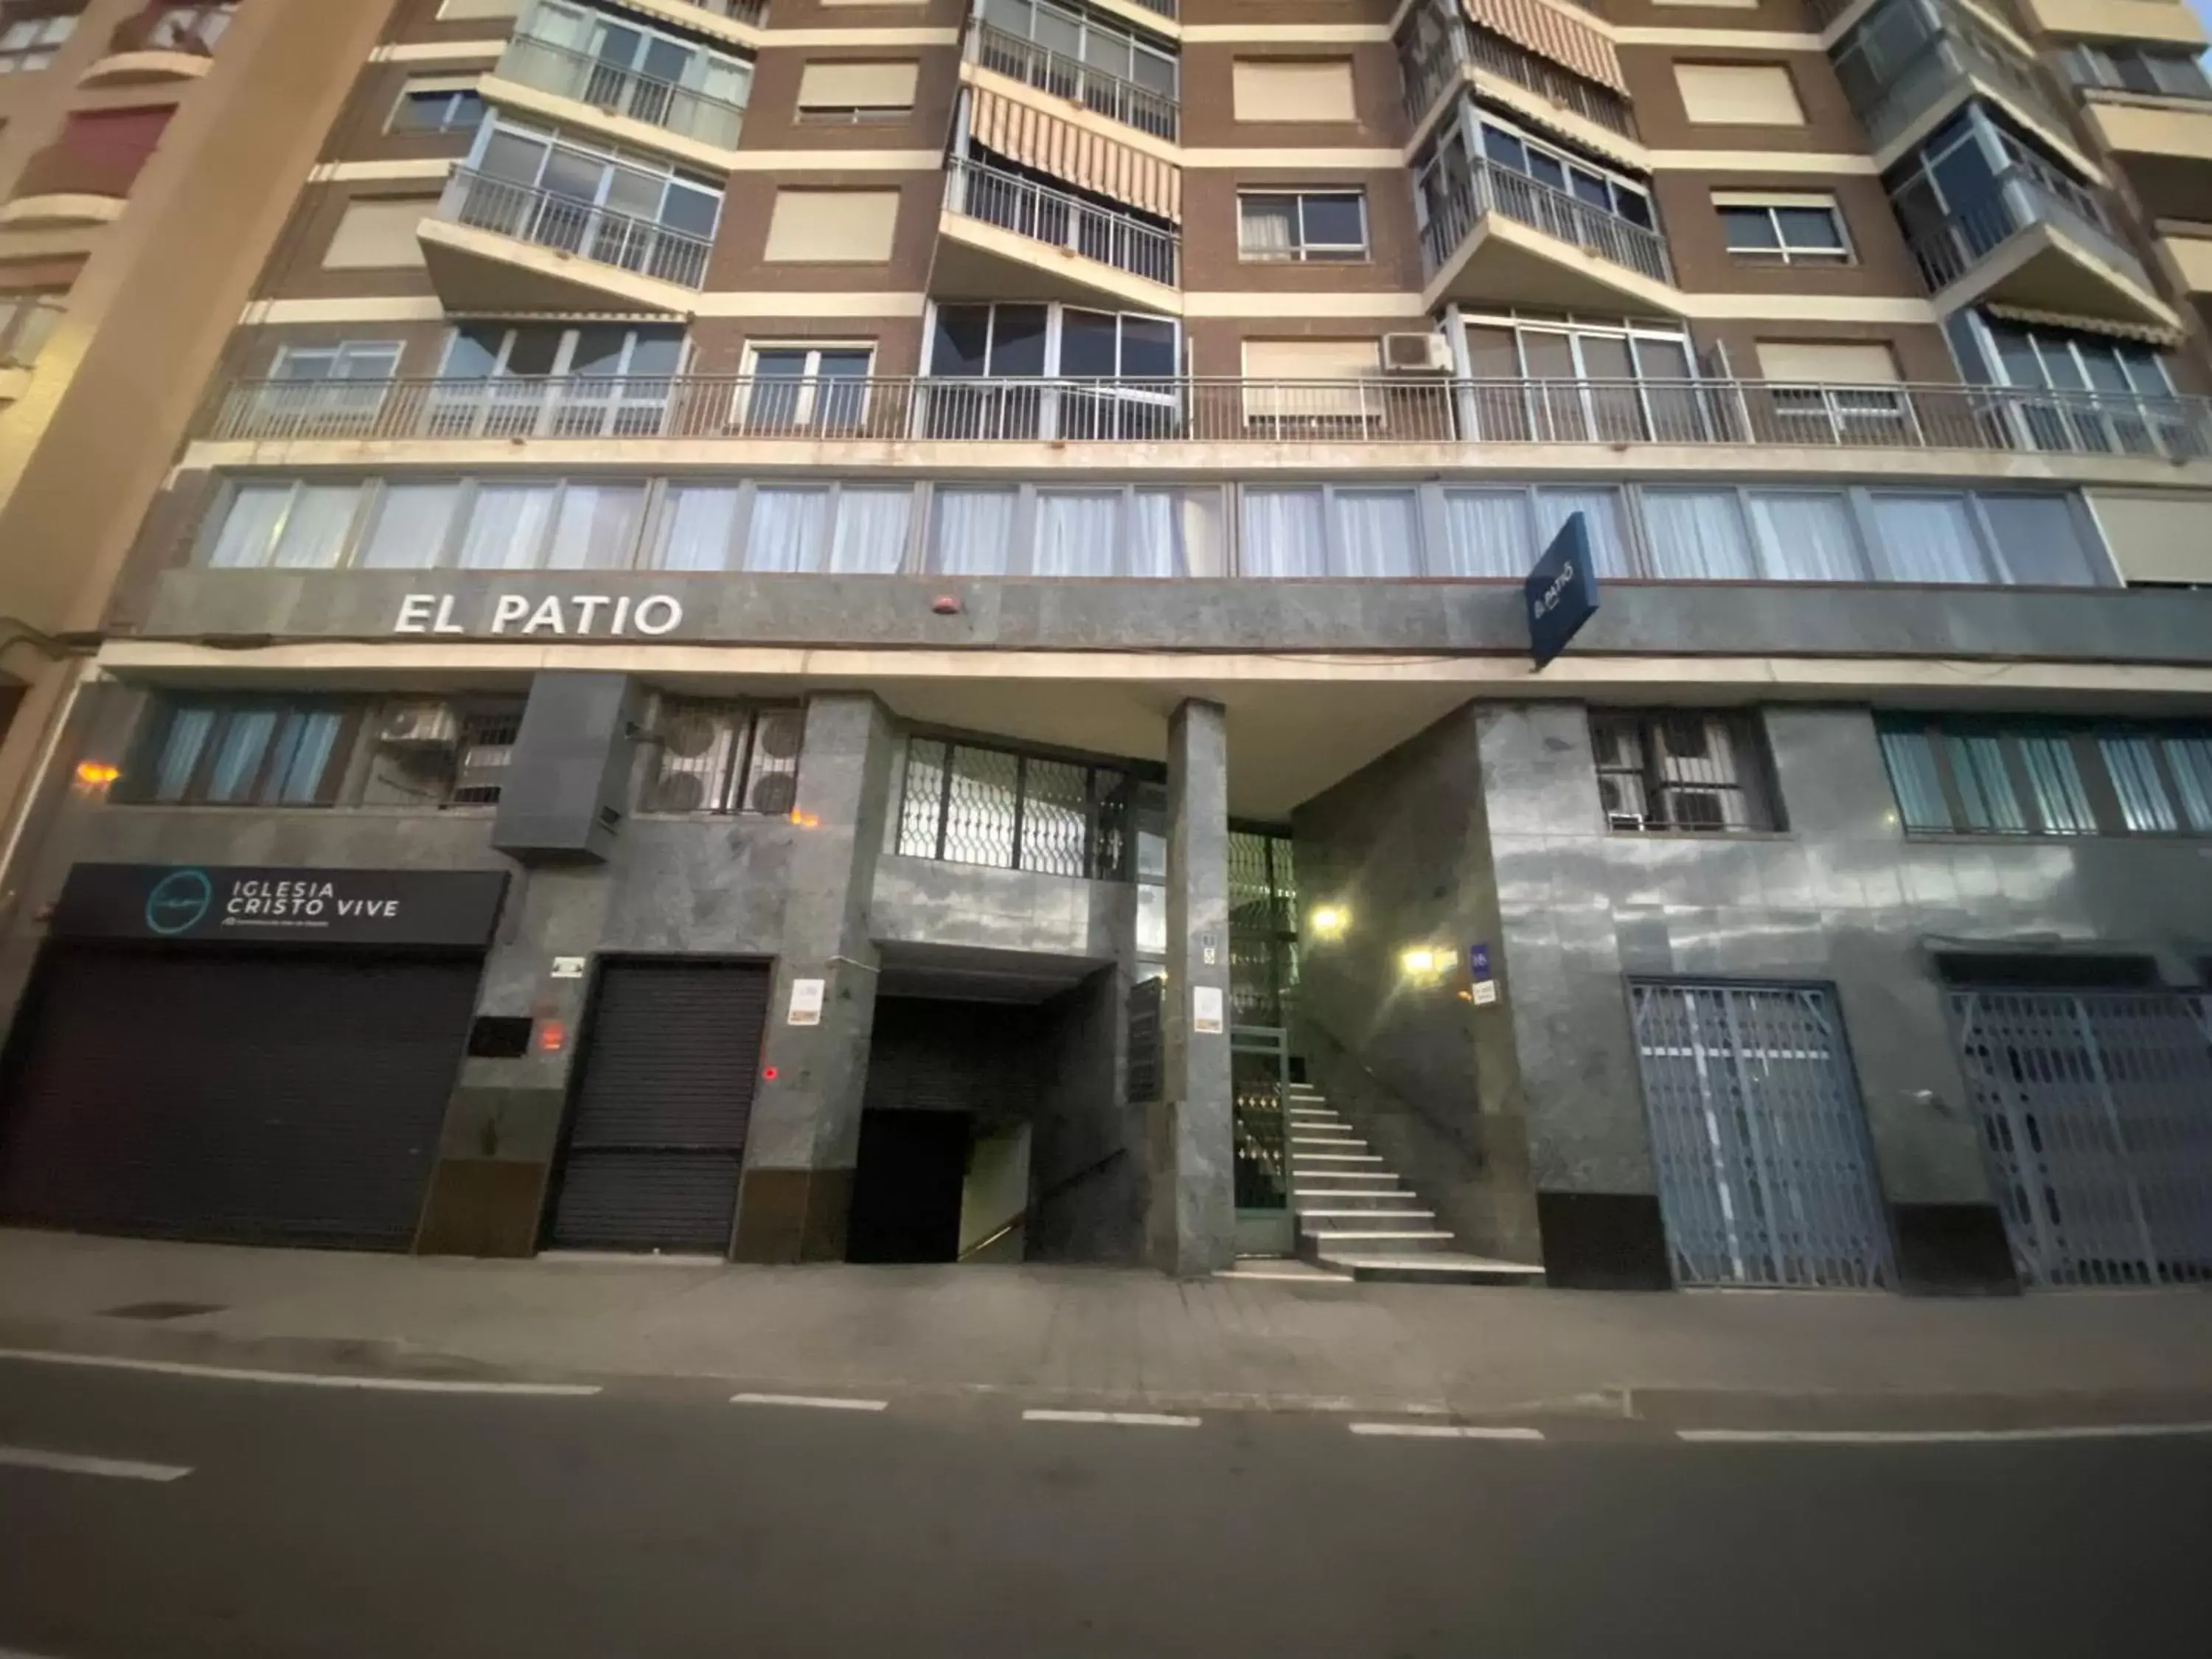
665,1085
270,1098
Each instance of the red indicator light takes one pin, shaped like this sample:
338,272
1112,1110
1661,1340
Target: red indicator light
768,1073
552,1037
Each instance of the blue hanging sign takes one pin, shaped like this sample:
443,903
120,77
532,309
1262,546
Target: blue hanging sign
1561,591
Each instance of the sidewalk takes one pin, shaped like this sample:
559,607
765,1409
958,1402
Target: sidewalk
1098,1335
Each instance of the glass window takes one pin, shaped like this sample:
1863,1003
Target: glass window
411,527
1927,539
1488,532
1601,511
971,531
292,526
1805,536
1378,533
1775,233
2039,541
596,526
787,530
1683,770
2041,777
1079,533
1286,532
238,752
1698,535
1308,225
439,109
506,528
697,527
871,531
28,44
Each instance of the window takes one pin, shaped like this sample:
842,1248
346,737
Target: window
2013,777
1077,53
841,90
530,184
324,390
1313,388
1790,230
503,381
965,804
1292,90
379,234
842,529
799,388
438,103
1518,151
27,321
189,27
1739,94
28,44
1331,531
244,751
2107,394
285,525
2137,66
1311,225
1596,381
1105,531
1684,770
831,226
715,757
1111,373
440,753
348,359
1827,392
614,63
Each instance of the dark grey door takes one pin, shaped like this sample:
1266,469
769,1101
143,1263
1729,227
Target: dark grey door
657,1130
251,1098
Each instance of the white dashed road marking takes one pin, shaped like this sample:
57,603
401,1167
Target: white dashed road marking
819,1401
1934,1436
1135,1419
113,1469
1446,1431
297,1379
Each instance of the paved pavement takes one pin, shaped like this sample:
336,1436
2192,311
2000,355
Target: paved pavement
151,1514
1104,1338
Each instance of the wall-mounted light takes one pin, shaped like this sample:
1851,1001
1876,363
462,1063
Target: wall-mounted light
806,820
1328,920
1419,963
97,775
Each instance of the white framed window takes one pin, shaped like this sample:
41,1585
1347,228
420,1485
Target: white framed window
805,385
27,321
1302,225
1095,373
1099,530
837,529
1074,33
29,43
187,28
579,176
615,62
442,103
1578,379
842,90
508,381
348,360
1789,230
2138,66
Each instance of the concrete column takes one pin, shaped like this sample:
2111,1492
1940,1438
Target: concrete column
1191,1222
804,1139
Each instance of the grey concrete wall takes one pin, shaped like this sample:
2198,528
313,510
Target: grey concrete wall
1663,618
924,902
1087,1192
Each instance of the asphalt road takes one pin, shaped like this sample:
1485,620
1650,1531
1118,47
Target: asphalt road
670,1522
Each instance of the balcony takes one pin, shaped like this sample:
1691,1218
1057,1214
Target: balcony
2166,147
1439,66
1947,71
622,94
1008,238
164,42
2169,20
1604,415
498,246
1071,78
2040,243
1500,235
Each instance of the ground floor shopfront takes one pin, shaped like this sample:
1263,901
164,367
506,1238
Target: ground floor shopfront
947,1000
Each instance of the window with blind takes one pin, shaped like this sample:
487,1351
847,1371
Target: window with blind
2027,777
28,44
1684,770
1301,91
243,751
841,90
831,226
379,234
1739,94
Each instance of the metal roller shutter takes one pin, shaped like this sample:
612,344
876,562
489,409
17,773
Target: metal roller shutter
271,1098
657,1133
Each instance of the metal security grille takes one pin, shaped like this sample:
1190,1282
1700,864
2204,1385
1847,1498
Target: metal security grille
1682,771
1765,1174
1263,927
969,804
1259,1068
2096,1116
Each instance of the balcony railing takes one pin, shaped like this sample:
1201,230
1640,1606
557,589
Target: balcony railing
1517,197
1381,410
568,226
566,73
1426,78
753,12
1048,71
1160,7
1060,220
1947,57
1946,252
192,29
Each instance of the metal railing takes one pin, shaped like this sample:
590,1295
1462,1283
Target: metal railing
1426,77
1060,220
1055,72
1948,56
568,226
1384,409
1517,197
566,73
1946,252
1162,8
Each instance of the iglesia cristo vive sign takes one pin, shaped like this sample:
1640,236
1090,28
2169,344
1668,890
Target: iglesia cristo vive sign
222,905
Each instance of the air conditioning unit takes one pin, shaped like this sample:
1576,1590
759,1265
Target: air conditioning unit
1416,354
418,726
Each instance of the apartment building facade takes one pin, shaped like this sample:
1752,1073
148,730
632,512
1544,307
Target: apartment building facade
819,631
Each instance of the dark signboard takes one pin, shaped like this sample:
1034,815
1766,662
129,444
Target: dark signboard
1145,1037
1561,591
239,904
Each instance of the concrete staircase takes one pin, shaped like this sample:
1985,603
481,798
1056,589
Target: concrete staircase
1354,1215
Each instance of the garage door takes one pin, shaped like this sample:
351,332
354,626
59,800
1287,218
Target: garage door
657,1133
272,1098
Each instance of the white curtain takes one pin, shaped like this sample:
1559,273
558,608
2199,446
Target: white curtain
597,527
1076,534
411,522
507,527
1267,226
250,526
180,751
315,532
1601,511
872,527
1927,538
1698,535
970,531
1378,533
696,533
1486,533
1805,537
1156,533
1286,533
788,529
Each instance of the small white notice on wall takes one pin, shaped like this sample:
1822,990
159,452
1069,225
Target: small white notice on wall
806,1001
568,967
1485,991
1206,1009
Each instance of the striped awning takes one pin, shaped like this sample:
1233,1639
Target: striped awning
2149,333
1550,32
1080,156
